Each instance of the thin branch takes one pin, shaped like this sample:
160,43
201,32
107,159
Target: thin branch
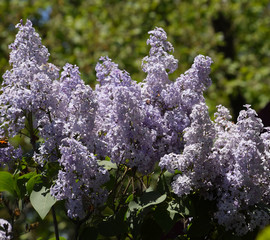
56,231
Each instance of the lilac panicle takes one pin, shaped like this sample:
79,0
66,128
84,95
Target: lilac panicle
244,167
159,53
198,141
71,114
169,104
79,104
27,47
26,87
80,179
61,111
226,162
145,121
120,119
194,82
157,63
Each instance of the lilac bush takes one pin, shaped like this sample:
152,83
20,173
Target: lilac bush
101,146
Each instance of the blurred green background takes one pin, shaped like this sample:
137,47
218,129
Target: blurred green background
235,34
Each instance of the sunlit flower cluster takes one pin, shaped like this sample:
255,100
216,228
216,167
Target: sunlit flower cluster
135,124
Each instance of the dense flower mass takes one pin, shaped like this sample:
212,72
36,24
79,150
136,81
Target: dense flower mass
27,87
80,179
60,112
136,125
70,114
9,154
139,123
120,121
226,162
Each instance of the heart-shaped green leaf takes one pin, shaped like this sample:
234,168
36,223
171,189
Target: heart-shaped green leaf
42,201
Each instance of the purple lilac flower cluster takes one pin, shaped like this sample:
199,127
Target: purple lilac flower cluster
120,122
27,87
60,112
9,154
136,124
226,162
70,114
80,180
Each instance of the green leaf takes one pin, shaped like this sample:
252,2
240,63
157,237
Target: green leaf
42,201
108,165
151,198
148,198
27,176
36,179
264,234
181,207
21,182
133,205
165,182
7,183
129,198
